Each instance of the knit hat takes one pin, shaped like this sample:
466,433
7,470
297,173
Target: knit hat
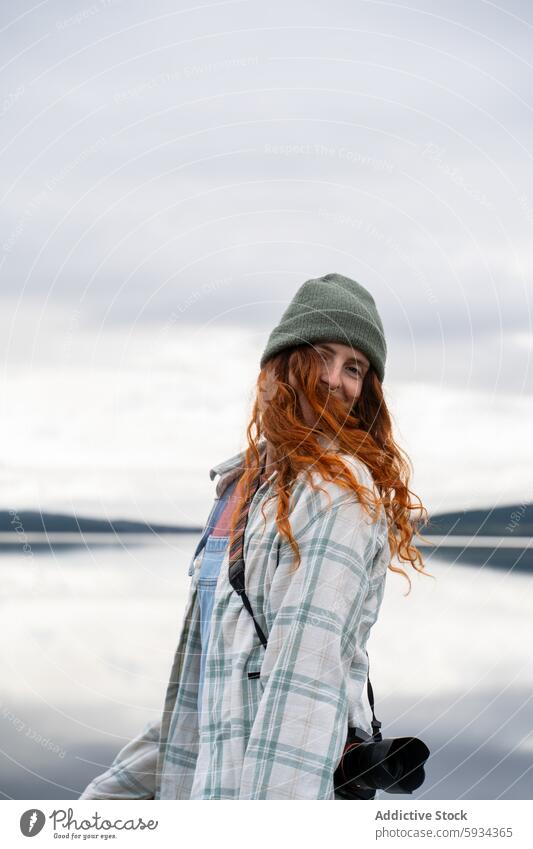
332,308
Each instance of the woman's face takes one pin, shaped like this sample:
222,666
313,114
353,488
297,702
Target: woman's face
343,372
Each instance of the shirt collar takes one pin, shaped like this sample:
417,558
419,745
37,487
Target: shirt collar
232,467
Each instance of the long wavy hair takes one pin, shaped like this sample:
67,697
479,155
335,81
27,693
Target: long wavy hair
363,431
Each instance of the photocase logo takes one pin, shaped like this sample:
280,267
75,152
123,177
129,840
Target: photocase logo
31,822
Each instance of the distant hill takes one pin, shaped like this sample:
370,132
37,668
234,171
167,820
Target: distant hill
512,520
67,532
502,523
32,521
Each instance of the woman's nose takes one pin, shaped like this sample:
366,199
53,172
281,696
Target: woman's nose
332,378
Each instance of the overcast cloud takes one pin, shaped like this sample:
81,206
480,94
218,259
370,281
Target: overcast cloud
170,175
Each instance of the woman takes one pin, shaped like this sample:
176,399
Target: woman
322,492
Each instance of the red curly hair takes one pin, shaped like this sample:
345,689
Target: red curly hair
363,431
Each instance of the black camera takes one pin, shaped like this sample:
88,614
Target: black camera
370,763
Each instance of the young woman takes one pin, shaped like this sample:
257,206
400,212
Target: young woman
322,494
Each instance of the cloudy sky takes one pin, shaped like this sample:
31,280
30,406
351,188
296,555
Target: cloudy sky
172,173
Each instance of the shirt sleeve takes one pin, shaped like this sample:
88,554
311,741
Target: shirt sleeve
300,728
132,775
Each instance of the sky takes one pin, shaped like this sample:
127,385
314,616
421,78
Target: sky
171,174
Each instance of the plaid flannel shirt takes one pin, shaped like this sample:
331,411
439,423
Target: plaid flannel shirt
278,733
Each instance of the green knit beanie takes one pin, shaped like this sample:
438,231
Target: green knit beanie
332,308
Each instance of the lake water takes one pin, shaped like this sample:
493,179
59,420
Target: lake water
89,636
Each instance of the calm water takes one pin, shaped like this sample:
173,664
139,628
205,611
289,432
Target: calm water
89,636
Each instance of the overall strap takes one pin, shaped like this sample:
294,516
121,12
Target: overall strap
216,510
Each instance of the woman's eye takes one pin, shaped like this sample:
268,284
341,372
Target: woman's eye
355,369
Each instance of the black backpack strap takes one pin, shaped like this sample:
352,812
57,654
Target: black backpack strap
376,724
236,579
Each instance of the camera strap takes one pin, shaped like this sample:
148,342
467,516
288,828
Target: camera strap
236,577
